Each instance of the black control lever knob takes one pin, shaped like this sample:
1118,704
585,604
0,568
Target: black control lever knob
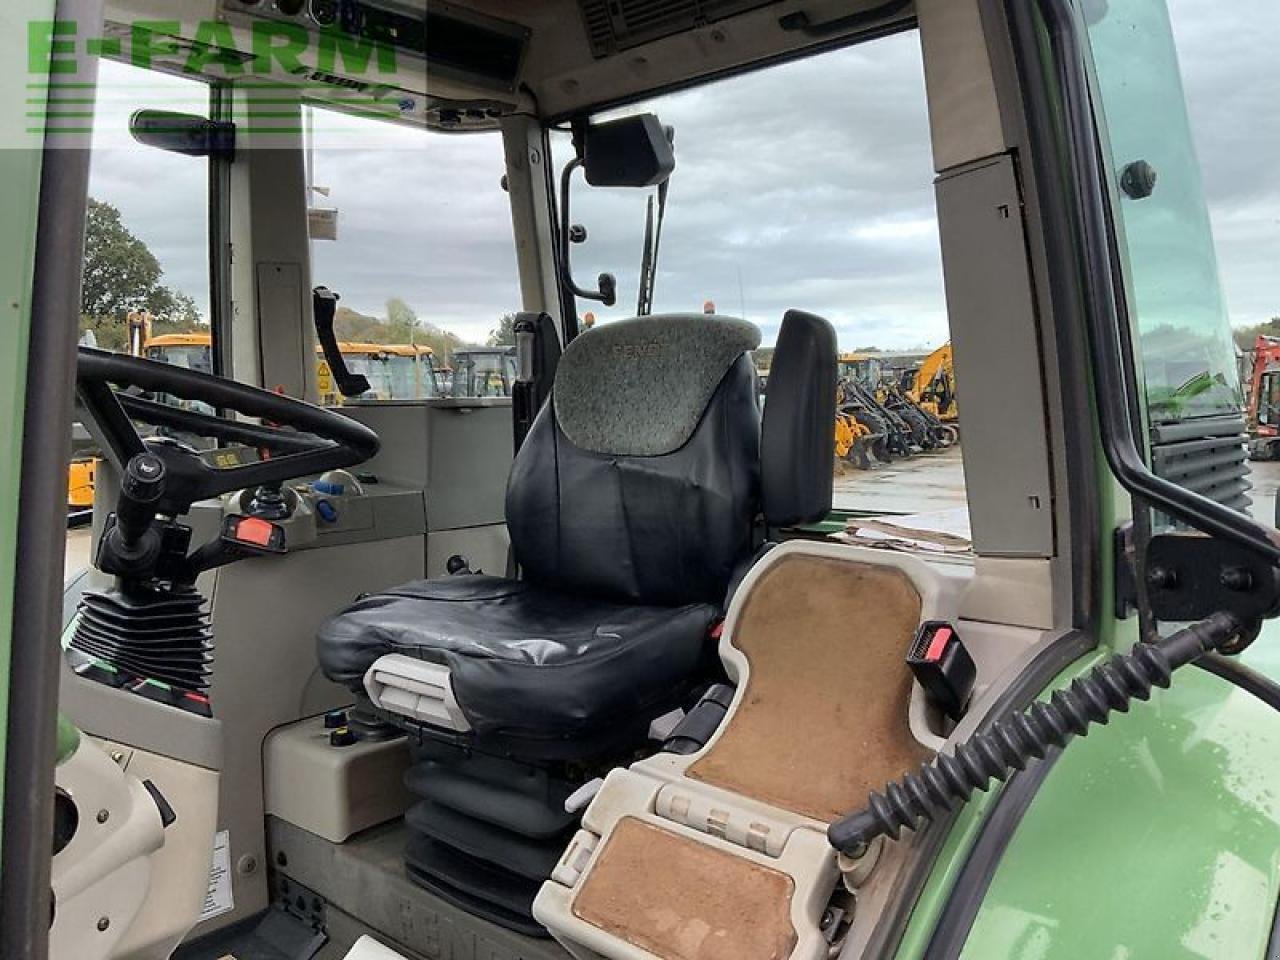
140,492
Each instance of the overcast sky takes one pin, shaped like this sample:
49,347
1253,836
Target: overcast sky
808,185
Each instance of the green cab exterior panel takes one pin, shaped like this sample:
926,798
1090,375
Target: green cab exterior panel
1156,836
21,153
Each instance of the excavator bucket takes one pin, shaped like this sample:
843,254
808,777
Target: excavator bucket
854,442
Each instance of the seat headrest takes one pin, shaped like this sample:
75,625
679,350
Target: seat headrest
639,387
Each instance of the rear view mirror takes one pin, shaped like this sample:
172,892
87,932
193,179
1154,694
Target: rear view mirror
628,152
184,133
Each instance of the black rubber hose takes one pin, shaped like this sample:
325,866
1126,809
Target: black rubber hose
1246,678
950,779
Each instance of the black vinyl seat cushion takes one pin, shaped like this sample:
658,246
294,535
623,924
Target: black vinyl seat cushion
525,660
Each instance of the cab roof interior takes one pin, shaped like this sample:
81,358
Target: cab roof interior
561,57
585,54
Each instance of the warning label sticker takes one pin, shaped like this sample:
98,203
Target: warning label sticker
218,899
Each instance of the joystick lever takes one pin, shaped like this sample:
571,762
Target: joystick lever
131,543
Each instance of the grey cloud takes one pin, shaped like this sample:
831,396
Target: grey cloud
1231,78
807,185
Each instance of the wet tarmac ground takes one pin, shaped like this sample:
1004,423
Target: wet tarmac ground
935,481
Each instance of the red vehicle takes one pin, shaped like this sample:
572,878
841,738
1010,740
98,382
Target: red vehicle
1264,399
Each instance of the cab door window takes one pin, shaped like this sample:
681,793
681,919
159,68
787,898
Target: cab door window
1176,296
146,271
146,288
1176,305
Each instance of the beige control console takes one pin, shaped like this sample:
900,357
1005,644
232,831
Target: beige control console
320,779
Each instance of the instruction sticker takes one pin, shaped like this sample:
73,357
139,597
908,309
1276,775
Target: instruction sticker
218,899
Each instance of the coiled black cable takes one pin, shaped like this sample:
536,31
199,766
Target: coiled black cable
950,779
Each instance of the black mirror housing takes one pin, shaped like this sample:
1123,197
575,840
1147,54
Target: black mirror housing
628,152
184,133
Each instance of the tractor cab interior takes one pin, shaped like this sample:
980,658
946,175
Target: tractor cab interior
558,657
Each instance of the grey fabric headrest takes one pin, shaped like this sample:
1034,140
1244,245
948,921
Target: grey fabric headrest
638,387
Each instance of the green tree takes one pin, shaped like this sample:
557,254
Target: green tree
504,334
120,275
1245,336
400,326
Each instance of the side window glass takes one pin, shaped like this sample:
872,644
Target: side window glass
1187,355
834,214
413,231
146,270
1189,368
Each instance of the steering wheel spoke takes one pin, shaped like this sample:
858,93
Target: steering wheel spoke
109,421
300,438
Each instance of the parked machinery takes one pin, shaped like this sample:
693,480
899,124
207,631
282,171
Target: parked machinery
879,421
928,431
934,386
1262,399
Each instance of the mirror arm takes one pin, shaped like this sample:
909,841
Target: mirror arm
608,293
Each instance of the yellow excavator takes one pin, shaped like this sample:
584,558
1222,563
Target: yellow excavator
934,386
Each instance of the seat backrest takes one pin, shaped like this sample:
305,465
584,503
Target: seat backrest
640,480
798,435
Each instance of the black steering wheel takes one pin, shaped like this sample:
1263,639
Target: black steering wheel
301,439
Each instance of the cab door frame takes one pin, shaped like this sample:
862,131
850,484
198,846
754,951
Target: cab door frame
40,374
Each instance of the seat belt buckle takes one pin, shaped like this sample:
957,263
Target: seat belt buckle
943,667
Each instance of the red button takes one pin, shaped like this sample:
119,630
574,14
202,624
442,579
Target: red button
256,531
938,645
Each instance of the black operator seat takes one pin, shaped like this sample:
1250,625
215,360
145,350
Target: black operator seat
633,504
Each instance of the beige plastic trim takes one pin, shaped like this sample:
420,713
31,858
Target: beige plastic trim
806,857
367,948
102,878
179,869
333,792
941,588
658,791
964,115
415,688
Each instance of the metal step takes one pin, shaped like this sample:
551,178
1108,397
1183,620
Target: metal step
365,878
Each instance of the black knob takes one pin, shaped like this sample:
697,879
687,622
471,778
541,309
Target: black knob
269,503
342,737
1138,180
141,488
1162,578
1238,579
334,719
144,477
